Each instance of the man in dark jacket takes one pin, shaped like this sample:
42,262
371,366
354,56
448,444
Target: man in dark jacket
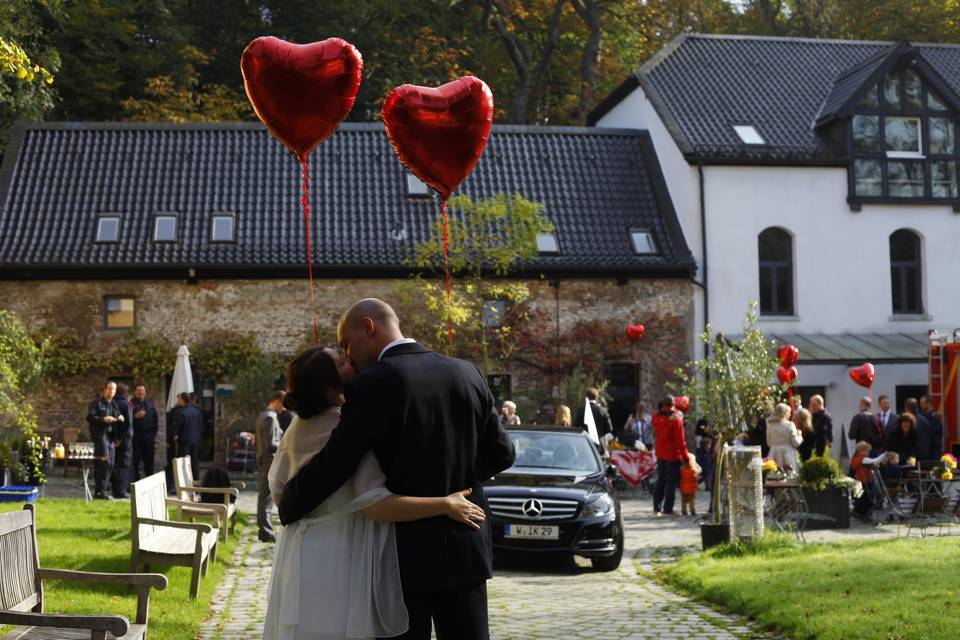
926,446
146,421
936,427
432,423
188,427
822,425
123,443
600,416
103,415
864,427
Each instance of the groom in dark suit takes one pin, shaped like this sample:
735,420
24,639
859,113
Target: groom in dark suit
433,425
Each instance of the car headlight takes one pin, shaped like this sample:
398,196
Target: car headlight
598,505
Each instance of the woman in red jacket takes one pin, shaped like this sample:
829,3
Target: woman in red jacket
671,449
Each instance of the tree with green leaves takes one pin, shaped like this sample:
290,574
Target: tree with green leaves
21,366
489,237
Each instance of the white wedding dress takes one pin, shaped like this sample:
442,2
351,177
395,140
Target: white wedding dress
336,574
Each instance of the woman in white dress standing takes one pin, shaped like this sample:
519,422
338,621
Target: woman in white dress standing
783,439
336,573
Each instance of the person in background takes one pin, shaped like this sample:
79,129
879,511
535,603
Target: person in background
804,421
146,421
688,484
285,417
103,415
822,425
925,446
886,417
784,439
123,444
268,435
634,427
564,417
936,426
172,441
546,414
600,416
508,414
671,450
705,442
862,467
904,438
188,429
864,427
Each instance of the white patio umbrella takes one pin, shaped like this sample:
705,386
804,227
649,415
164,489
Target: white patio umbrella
182,381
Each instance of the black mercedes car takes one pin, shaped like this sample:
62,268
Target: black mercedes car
558,497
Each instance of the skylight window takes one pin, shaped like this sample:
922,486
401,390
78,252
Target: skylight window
416,188
643,242
222,228
165,228
108,229
547,243
748,134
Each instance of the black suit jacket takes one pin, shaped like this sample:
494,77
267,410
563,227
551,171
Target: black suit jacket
188,424
600,417
432,423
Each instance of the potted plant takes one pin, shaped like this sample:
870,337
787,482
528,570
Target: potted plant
827,492
731,386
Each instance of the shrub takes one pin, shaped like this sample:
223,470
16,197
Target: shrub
819,473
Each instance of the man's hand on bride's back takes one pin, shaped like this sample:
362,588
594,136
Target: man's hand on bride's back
464,511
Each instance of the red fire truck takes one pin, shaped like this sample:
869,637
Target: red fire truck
943,384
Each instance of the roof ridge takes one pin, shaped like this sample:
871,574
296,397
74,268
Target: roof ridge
747,36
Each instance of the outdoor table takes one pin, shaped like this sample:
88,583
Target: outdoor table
82,452
787,502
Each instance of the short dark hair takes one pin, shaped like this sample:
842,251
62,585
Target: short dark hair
309,377
912,405
138,385
592,394
665,403
909,419
186,396
882,398
108,381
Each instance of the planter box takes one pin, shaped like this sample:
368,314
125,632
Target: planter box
19,494
713,534
833,503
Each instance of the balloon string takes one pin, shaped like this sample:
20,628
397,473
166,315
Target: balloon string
305,201
446,271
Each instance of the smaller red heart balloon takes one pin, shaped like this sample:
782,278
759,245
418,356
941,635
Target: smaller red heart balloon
439,133
681,403
786,375
788,355
635,332
301,92
864,375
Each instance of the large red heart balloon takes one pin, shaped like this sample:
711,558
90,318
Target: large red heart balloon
864,375
788,355
635,332
440,133
302,92
786,375
681,403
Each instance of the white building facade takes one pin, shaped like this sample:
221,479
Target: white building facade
818,178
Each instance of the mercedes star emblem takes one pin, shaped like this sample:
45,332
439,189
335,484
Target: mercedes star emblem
532,508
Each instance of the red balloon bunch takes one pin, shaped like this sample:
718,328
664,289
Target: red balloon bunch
786,375
635,332
864,375
788,355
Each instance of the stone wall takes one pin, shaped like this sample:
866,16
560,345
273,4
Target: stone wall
276,312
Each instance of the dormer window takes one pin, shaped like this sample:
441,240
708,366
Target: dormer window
748,134
547,244
108,229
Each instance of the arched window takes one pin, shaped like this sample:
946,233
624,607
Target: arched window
776,272
906,272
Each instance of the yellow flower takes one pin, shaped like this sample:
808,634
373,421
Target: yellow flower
946,476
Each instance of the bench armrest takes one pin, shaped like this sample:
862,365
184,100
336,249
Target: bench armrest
195,488
117,625
157,581
239,485
173,524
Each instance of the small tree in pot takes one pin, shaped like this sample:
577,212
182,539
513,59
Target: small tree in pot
732,386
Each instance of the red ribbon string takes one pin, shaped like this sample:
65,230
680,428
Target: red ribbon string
446,270
305,201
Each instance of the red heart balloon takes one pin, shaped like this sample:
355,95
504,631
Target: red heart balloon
635,332
788,355
681,403
440,133
302,92
864,375
786,375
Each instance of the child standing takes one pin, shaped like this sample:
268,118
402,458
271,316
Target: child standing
689,472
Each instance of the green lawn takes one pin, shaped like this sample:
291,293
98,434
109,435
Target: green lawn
891,589
95,536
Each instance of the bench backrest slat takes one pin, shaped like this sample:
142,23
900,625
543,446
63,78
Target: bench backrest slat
183,479
19,590
148,499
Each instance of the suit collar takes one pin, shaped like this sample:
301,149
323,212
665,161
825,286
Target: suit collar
405,349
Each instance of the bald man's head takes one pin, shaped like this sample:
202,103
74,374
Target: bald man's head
365,329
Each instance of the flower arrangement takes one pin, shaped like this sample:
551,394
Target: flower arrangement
944,470
769,465
949,460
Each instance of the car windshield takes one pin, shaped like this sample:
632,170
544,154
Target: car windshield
561,451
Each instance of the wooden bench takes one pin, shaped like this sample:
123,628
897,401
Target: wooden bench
21,590
157,539
188,492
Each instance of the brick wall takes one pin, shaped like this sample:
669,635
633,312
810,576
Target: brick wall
277,313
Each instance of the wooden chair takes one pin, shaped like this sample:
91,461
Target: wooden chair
21,590
156,539
188,492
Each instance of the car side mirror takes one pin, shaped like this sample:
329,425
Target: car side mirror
612,471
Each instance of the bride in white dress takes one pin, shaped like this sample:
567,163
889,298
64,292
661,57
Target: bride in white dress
336,573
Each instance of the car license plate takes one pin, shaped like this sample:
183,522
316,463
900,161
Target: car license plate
532,532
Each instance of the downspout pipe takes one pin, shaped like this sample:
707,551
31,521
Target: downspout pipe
702,283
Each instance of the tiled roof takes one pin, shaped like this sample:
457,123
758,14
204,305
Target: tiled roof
856,348
58,177
703,85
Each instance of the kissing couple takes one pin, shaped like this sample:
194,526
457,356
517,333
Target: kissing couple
379,486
